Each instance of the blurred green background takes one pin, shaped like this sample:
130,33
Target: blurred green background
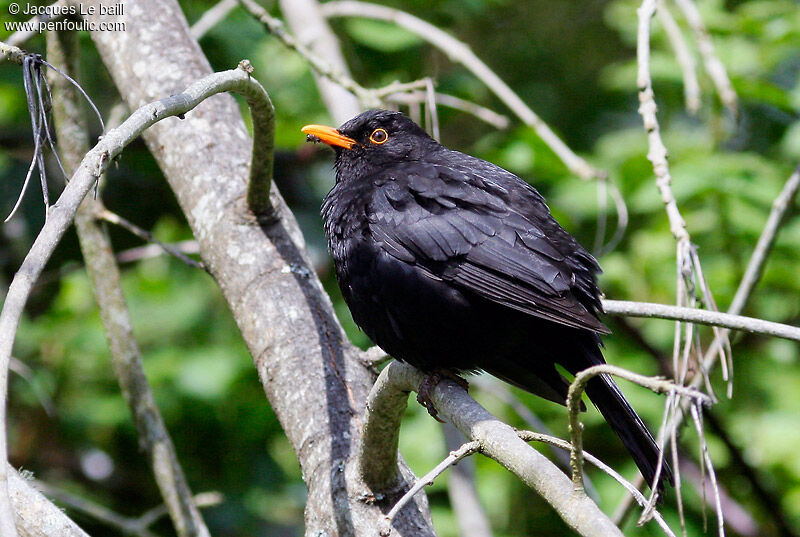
573,62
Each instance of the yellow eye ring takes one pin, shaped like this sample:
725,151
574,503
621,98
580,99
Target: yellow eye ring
379,136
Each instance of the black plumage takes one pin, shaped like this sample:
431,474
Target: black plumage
449,262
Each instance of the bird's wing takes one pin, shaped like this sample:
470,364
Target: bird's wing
489,234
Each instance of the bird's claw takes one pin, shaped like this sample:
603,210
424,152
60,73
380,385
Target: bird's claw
429,382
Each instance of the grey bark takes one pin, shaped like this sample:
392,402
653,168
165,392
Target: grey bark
35,515
72,132
312,375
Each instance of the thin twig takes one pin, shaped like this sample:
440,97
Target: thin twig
714,67
576,389
463,492
459,52
501,391
699,316
318,64
647,108
755,266
212,17
452,458
684,57
23,370
486,115
138,526
189,246
112,218
304,19
62,213
707,465
531,436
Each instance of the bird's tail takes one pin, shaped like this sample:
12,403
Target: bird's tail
608,399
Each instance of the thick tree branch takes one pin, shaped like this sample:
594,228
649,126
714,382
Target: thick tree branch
497,440
35,515
313,377
61,214
71,129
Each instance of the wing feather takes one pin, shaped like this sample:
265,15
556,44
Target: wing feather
495,238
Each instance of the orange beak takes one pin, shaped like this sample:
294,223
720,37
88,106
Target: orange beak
329,135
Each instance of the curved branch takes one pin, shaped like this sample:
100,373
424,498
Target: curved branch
714,67
497,441
575,393
61,214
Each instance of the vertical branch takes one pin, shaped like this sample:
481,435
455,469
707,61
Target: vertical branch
714,67
308,24
104,274
684,57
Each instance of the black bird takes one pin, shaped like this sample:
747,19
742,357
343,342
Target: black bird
453,264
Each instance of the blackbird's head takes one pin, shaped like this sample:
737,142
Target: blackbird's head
372,140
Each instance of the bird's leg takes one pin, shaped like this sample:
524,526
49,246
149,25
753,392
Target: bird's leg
429,382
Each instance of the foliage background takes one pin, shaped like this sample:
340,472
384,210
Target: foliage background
574,63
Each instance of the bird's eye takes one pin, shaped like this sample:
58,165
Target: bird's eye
379,136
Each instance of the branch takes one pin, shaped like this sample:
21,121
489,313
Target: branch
461,489
451,460
307,22
497,440
12,53
531,436
147,251
138,526
755,266
100,212
714,67
459,52
699,316
575,393
35,515
71,129
61,214
211,17
657,154
486,115
684,57
758,259
319,64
